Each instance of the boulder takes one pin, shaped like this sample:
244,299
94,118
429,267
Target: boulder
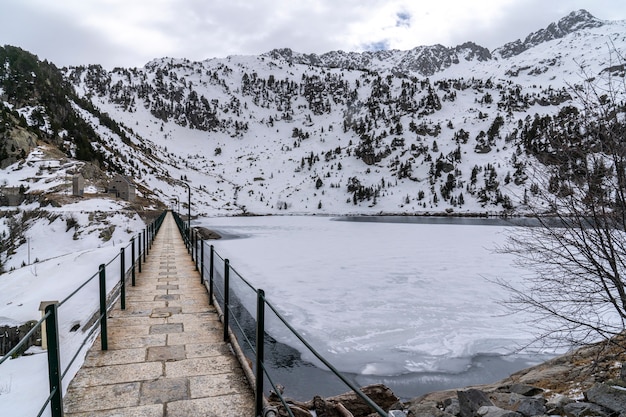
427,410
493,411
555,404
608,396
525,390
452,406
527,406
531,406
471,400
581,409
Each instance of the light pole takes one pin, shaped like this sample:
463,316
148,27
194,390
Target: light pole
188,210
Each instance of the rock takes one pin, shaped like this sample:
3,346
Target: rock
471,400
611,397
531,406
505,399
555,404
493,411
452,406
527,406
427,410
525,390
580,409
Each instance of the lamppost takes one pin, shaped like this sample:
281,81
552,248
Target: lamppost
188,210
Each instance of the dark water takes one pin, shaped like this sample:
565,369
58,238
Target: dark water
449,220
303,380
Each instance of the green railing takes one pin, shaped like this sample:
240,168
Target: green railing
139,247
230,293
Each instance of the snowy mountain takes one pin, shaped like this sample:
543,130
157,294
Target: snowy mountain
575,21
436,129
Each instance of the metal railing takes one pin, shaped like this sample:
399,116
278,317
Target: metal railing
49,324
237,300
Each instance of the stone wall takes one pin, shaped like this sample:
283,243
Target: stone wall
11,335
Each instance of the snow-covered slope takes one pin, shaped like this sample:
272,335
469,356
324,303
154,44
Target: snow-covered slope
287,133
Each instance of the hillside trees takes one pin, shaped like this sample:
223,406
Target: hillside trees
26,81
577,254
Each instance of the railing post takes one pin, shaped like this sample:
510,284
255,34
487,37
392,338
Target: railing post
202,261
140,255
145,244
54,362
211,263
188,239
103,308
132,254
195,246
226,297
122,279
260,350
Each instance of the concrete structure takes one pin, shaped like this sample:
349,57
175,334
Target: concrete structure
42,308
122,187
78,185
11,196
166,353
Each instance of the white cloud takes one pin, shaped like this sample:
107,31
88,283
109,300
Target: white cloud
130,33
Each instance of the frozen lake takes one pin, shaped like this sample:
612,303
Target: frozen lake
407,304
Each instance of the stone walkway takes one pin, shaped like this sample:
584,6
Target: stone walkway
166,352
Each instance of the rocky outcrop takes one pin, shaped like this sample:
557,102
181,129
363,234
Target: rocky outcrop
516,400
574,21
519,400
423,60
589,381
586,382
429,60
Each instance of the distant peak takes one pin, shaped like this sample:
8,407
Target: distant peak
576,20
579,19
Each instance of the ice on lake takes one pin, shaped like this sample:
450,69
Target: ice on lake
384,301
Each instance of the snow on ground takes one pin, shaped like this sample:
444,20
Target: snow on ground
61,259
381,300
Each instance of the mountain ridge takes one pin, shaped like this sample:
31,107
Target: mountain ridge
428,60
266,135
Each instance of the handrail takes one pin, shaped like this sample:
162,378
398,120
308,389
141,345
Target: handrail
324,361
50,319
257,348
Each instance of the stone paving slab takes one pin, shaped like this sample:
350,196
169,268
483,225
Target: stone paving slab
156,410
166,355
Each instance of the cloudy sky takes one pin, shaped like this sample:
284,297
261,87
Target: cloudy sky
129,33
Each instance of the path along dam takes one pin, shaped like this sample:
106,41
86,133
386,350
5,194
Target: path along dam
166,355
